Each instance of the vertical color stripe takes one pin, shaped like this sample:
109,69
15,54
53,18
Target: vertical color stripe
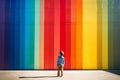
116,34
99,34
37,35
111,34
6,36
32,24
12,26
73,34
41,34
79,34
49,34
62,27
27,34
56,31
105,34
67,34
2,22
22,34
89,34
16,34
46,34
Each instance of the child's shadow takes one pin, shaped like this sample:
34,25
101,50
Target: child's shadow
39,77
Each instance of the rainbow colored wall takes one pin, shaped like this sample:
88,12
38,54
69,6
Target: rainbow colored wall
32,32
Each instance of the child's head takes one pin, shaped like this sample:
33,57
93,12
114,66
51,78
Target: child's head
61,53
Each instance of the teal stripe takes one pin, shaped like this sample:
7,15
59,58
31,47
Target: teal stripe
111,34
116,34
32,24
37,34
27,34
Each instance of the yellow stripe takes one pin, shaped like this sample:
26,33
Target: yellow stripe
89,34
99,34
105,34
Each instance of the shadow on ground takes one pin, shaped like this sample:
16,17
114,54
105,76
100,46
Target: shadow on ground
114,71
39,77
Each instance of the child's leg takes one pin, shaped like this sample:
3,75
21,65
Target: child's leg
61,70
58,74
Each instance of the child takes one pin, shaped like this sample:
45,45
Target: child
60,63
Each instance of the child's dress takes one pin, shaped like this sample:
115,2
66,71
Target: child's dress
60,60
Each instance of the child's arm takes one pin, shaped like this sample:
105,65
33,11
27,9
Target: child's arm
63,61
57,60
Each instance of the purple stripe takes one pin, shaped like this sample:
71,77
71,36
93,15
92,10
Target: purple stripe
6,34
2,34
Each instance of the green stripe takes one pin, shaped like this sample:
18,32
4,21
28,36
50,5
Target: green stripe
111,34
32,24
37,33
116,34
105,34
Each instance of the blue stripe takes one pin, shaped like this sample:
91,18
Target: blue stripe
7,31
27,34
16,34
22,33
12,25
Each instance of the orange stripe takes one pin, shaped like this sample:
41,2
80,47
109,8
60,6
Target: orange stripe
73,34
79,34
41,34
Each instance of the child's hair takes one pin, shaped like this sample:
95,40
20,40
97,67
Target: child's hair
61,53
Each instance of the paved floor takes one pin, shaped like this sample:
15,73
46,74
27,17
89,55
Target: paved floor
51,75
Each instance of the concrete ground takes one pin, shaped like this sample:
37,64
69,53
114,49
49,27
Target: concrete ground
51,75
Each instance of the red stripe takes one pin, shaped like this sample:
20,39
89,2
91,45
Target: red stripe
65,30
67,34
62,26
56,31
49,35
